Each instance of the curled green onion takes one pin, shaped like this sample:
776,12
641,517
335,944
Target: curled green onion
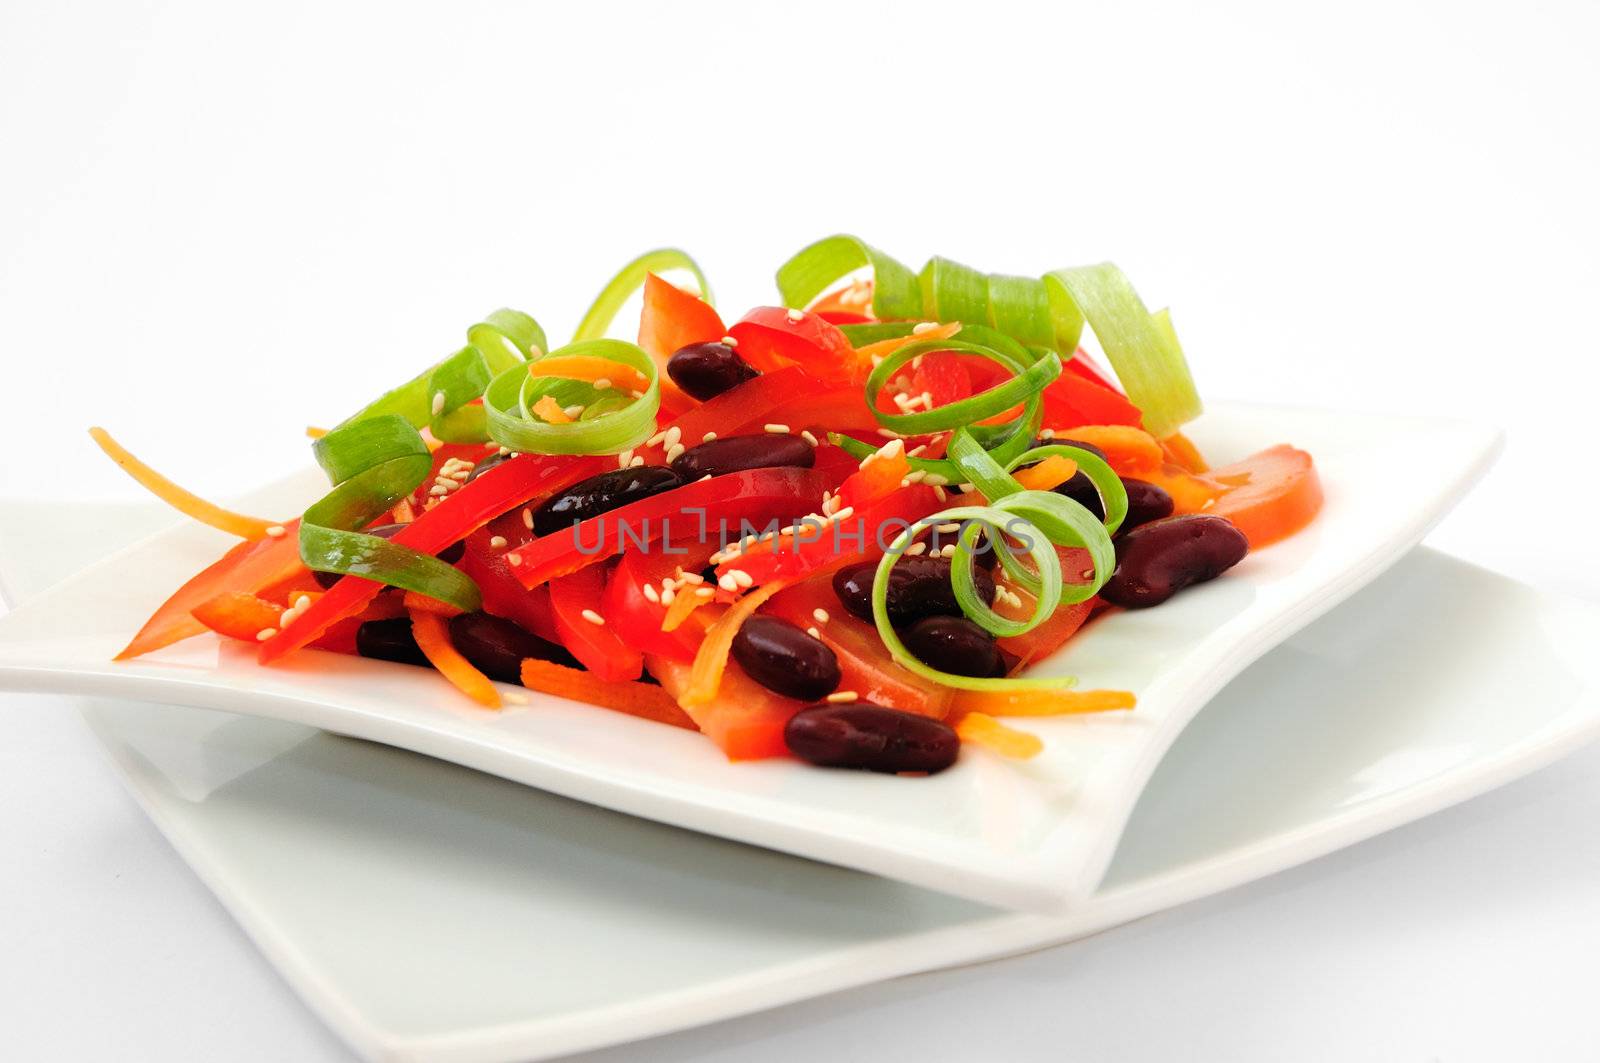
373,463
611,422
1023,387
597,321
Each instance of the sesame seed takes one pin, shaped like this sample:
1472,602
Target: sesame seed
672,437
601,383
820,615
497,542
842,697
303,602
704,478
708,437
438,403
505,452
940,493
946,529
922,327
636,462
729,341
797,315
651,594
574,411
887,434
266,633
593,617
703,592
692,577
624,458
934,479
916,548
916,476
1047,433
727,582
438,491
667,596
655,440
845,514
814,633
927,399
948,551
963,488
527,518
514,559
777,429
674,452
515,697
809,438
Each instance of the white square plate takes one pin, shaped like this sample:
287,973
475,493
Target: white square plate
1037,835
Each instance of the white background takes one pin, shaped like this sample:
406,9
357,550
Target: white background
219,223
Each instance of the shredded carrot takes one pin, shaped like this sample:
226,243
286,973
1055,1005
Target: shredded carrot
1049,473
403,512
1128,450
684,602
884,348
551,410
1181,451
433,638
712,658
416,602
986,731
645,700
313,432
1043,702
588,367
178,498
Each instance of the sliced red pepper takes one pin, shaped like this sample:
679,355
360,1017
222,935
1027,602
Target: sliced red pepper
864,665
502,594
1071,400
574,599
238,615
637,619
501,487
865,532
247,568
757,400
672,319
721,503
771,337
942,377
841,317
1086,367
878,478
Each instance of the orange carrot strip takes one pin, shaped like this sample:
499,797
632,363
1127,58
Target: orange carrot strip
551,410
417,602
1051,472
588,367
645,700
984,730
183,501
1271,495
313,432
1182,452
433,639
684,602
1044,702
1128,450
884,348
712,658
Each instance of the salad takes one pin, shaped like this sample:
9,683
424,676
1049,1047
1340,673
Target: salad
842,528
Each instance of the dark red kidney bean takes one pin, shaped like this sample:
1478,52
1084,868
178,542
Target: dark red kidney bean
954,644
871,737
601,494
737,453
1082,490
783,658
918,587
706,370
449,555
496,646
1065,442
486,464
389,640
1157,560
982,551
1146,502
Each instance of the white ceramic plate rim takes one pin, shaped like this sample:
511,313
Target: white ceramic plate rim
1043,880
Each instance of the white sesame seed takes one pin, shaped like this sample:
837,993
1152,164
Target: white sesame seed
741,577
651,594
820,615
692,577
516,697
809,438
777,429
277,531
505,452
601,383
674,452
1047,433
922,327
624,458
266,633
708,437
729,341
497,542
438,403
797,315
438,491
727,582
461,475
940,493
948,551
574,411
814,633
845,514
527,518
703,592
672,437
303,602
916,548
514,559
927,399
593,617
704,478
934,479
963,488
888,434
842,697
667,596
637,461
655,440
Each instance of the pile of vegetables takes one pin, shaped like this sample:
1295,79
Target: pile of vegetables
549,492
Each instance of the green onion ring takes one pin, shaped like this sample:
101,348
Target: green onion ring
373,463
597,321
623,422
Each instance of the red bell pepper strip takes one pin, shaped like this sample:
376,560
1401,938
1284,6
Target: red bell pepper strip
1070,401
238,615
771,337
599,647
673,319
866,532
941,376
247,568
636,618
502,487
756,400
1086,367
502,595
707,509
744,718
